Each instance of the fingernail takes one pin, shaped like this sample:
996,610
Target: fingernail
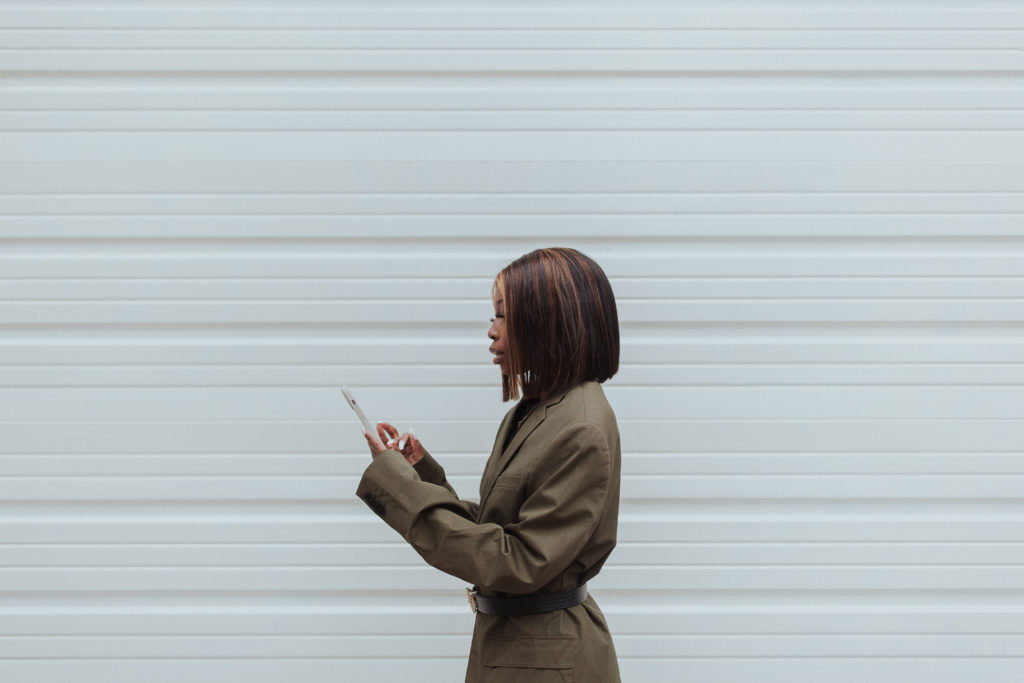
401,444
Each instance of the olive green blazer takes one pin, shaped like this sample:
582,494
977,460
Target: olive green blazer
546,522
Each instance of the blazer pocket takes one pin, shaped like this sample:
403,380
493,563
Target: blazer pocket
538,659
507,481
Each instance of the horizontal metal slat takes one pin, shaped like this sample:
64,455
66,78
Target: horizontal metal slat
267,265
365,527
406,16
393,356
457,95
135,310
482,374
463,292
399,553
623,38
557,146
662,487
343,435
471,404
622,174
679,580
534,61
71,117
471,464
457,645
450,614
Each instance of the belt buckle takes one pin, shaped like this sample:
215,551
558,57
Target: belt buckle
472,600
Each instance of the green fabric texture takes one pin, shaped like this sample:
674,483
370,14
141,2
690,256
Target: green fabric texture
546,522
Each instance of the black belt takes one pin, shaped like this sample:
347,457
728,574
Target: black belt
526,604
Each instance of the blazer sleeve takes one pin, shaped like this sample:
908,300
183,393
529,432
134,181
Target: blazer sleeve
568,496
430,471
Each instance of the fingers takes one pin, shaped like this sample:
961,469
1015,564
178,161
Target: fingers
386,432
408,436
413,451
408,443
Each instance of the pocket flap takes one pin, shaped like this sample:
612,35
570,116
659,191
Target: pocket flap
507,481
535,652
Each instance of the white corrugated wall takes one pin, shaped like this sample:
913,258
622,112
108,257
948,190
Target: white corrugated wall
213,216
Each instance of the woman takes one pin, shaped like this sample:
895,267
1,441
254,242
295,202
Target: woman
549,495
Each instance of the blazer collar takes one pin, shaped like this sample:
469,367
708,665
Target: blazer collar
533,420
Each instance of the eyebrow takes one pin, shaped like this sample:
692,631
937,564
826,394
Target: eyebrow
499,301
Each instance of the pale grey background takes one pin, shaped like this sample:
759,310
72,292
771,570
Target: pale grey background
214,215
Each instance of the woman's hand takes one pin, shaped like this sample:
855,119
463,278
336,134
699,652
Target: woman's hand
407,444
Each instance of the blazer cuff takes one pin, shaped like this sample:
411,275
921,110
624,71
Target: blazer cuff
384,488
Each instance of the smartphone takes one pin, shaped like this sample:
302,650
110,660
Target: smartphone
359,411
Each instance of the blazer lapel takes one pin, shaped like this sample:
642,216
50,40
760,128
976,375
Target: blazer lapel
506,425
497,465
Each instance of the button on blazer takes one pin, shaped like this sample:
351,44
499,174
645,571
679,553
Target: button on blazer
546,522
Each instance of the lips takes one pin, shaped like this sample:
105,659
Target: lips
498,356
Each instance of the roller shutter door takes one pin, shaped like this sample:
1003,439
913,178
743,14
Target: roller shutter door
213,216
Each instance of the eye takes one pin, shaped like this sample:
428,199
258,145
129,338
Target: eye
498,315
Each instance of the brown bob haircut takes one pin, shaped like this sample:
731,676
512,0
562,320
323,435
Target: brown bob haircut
560,321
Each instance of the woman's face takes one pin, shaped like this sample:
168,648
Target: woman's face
499,341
